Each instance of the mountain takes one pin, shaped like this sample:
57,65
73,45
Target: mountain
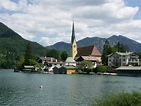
99,42
61,46
133,45
6,32
12,42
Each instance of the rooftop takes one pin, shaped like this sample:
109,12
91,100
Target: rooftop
88,50
70,60
129,68
89,58
124,54
121,53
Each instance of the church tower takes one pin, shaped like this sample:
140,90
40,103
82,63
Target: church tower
73,43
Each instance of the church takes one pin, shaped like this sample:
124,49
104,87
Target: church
90,53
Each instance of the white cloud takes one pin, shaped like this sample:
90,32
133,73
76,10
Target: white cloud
8,5
12,6
50,21
139,41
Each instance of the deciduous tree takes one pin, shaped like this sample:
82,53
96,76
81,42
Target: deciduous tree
64,55
86,66
54,53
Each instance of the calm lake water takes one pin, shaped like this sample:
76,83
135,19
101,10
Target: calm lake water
23,89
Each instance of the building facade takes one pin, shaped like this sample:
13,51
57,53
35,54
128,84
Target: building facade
123,59
70,65
49,63
89,53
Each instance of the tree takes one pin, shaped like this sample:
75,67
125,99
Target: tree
20,61
28,57
107,49
54,53
121,48
86,66
64,55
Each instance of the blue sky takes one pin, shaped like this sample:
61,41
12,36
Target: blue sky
135,3
50,21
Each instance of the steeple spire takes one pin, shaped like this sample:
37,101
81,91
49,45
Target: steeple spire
73,34
73,43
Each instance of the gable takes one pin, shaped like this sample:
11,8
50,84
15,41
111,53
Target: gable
95,52
88,51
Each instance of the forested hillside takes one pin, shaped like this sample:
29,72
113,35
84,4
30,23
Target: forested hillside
12,45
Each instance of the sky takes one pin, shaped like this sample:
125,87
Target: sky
50,21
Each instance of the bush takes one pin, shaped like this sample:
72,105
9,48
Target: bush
122,99
100,69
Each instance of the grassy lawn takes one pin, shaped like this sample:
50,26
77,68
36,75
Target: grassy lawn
122,99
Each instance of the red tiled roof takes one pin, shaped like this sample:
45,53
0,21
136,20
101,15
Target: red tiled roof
50,60
88,51
90,58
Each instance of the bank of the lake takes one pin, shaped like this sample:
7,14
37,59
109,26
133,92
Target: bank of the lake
22,89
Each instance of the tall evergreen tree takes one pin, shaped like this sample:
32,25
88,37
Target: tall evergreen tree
121,48
106,51
28,54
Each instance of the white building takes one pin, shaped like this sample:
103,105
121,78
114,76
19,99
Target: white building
123,59
70,62
49,63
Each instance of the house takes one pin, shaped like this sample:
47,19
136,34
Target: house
89,53
129,71
45,59
93,59
70,62
49,62
27,68
59,70
123,59
88,58
70,69
70,65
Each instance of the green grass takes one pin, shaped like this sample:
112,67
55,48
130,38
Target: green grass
122,99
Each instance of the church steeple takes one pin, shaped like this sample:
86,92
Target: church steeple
73,43
73,34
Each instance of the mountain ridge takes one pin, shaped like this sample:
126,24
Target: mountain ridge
99,42
13,42
10,40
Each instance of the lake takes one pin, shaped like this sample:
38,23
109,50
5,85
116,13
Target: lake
23,89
